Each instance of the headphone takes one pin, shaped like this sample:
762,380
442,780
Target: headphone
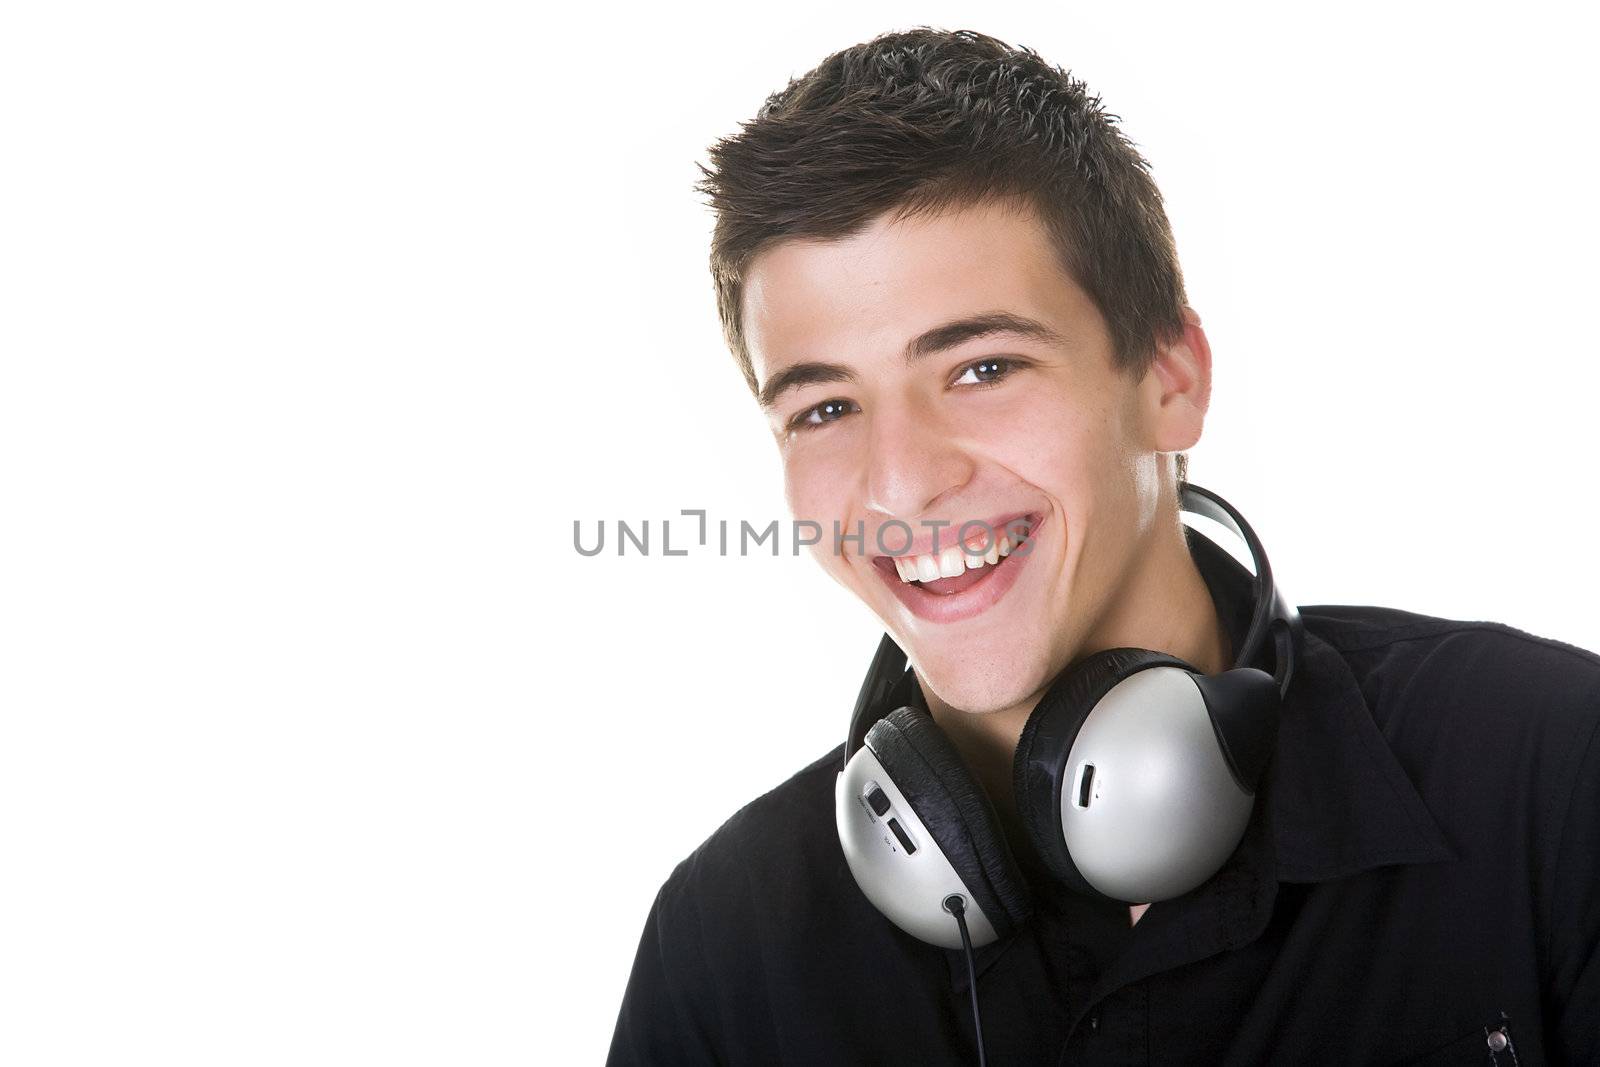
1135,777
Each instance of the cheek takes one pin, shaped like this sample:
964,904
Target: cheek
1053,445
812,486
817,488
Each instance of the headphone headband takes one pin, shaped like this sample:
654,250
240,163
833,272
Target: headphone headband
1272,615
1270,606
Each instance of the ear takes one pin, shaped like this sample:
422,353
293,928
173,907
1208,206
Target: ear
1176,390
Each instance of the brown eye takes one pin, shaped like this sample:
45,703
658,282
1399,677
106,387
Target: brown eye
984,371
827,411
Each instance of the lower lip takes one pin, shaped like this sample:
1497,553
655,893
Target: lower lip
973,600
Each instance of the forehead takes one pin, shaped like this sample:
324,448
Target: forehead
859,299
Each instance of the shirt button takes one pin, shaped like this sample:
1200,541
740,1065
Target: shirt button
1497,1041
1094,1021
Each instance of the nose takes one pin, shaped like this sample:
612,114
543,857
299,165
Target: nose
912,462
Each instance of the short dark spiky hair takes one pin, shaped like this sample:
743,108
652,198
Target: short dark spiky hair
922,120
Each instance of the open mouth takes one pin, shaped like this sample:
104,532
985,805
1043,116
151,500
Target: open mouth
962,579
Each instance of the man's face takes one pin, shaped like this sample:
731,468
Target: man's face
997,428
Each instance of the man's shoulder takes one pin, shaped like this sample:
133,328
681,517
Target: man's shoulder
1362,627
1433,683
784,817
770,845
1376,638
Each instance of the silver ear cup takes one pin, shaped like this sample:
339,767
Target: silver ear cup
1149,808
904,873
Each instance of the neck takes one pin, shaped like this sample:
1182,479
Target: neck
1164,606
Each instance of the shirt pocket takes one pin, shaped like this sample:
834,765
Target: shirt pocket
1491,1043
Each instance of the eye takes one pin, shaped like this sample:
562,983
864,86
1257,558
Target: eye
986,371
827,411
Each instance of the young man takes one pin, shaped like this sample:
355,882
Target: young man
950,283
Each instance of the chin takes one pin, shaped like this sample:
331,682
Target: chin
972,682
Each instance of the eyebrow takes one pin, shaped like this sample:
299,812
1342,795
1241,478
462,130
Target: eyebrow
939,339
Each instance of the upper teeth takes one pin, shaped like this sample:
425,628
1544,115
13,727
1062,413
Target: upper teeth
949,562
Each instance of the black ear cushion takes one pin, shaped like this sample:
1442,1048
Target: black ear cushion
957,812
1040,767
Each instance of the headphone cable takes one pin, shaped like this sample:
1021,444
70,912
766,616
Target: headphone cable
957,906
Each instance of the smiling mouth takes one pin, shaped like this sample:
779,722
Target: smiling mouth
958,568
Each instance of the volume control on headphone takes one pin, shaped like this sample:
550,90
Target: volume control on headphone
878,801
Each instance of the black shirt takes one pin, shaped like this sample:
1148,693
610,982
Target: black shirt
1419,883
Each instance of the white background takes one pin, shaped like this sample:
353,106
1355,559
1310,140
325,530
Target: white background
323,322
